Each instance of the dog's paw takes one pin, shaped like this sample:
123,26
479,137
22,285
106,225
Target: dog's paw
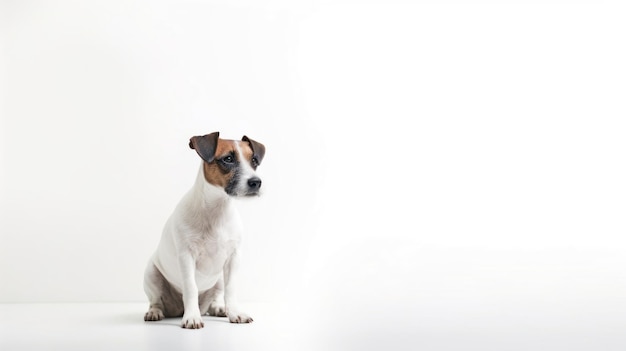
217,310
239,318
192,322
154,314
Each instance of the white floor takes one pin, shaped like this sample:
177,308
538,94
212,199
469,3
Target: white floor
119,326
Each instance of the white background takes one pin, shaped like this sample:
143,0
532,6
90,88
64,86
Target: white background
448,163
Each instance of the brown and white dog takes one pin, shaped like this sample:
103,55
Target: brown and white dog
192,271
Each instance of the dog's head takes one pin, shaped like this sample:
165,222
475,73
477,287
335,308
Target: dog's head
230,164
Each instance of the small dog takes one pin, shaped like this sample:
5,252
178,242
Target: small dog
192,271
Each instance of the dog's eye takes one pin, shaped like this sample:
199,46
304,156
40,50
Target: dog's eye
255,161
228,159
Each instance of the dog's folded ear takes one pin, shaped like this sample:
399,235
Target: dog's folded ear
205,145
257,148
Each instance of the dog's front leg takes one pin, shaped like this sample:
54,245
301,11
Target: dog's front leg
191,318
232,310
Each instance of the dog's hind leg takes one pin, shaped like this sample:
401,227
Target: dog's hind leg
212,300
153,287
165,301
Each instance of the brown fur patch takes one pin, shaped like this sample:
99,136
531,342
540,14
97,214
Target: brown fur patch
215,174
246,151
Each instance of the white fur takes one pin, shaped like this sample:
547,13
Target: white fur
246,170
199,251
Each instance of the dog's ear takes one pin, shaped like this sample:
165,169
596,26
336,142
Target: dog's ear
257,148
205,145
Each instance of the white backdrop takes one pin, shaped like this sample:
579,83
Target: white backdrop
424,159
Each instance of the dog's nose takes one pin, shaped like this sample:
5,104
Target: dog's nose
254,183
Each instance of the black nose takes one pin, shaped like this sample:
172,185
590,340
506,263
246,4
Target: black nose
254,183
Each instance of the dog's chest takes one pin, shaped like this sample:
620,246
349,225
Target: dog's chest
211,255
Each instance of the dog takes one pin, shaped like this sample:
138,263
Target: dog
192,272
